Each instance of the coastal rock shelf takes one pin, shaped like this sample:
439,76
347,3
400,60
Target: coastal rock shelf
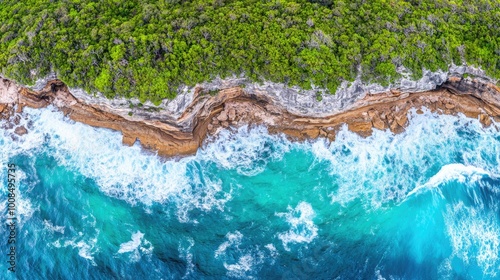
207,114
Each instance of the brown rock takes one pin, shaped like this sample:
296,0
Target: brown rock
394,126
2,107
225,124
232,114
360,126
292,132
402,119
331,136
20,130
433,99
222,116
383,115
485,120
128,139
419,111
470,112
390,117
396,92
210,127
323,133
492,111
378,123
311,133
450,106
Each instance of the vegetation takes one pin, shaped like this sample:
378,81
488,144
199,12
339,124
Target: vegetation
147,49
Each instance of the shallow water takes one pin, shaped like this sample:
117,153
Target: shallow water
423,204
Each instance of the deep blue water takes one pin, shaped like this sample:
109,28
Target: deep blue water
423,204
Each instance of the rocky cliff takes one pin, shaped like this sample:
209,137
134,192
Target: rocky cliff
181,129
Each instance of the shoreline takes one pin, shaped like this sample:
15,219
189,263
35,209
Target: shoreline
208,113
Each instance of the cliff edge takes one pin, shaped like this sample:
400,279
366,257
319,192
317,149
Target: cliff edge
207,113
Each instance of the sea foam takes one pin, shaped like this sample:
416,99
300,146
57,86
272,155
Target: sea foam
136,246
475,236
302,227
387,167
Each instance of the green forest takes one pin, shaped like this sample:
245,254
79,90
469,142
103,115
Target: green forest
147,49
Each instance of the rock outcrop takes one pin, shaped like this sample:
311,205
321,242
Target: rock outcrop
207,114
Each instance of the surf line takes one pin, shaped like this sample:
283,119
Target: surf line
11,217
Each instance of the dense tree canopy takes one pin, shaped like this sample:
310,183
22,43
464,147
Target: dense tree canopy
149,48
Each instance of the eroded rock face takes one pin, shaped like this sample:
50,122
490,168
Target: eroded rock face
184,132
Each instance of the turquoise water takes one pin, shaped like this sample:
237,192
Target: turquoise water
423,204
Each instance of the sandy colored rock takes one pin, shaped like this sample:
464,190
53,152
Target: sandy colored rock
128,140
292,132
232,114
222,116
394,126
450,106
311,133
360,126
402,119
372,113
331,136
323,133
378,123
485,120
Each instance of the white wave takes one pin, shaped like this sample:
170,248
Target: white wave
239,270
302,227
248,151
272,250
273,253
379,275
233,239
249,258
131,245
452,172
24,209
137,177
386,167
185,253
363,168
87,247
475,236
136,246
52,228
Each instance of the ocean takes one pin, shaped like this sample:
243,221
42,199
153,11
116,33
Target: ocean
423,204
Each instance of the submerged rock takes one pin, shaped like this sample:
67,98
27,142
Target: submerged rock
20,130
